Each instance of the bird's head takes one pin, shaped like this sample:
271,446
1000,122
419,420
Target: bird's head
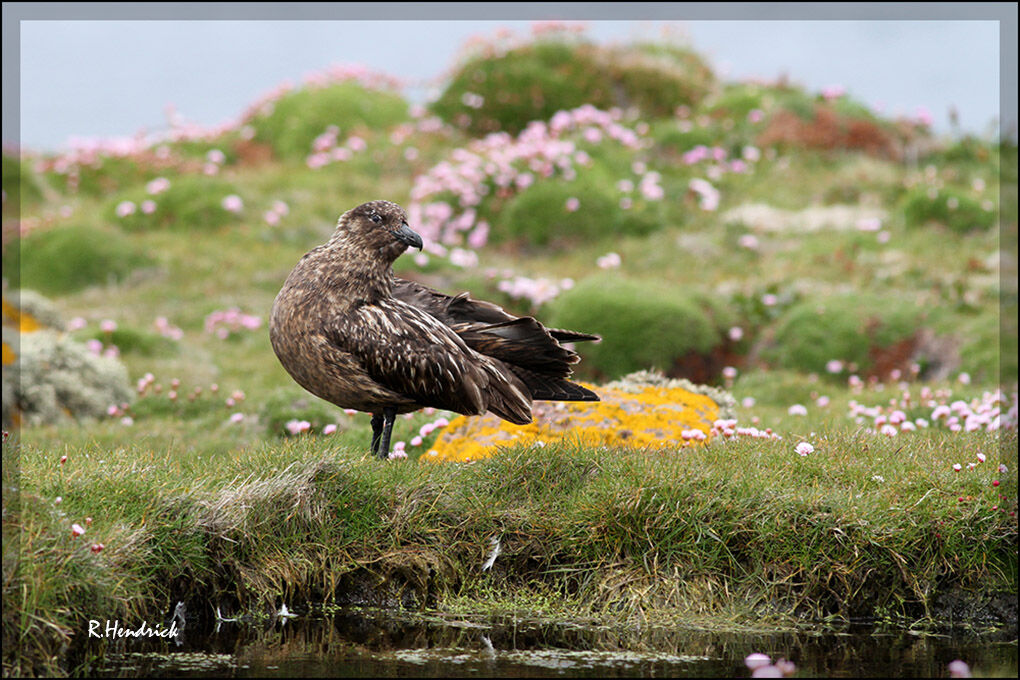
377,229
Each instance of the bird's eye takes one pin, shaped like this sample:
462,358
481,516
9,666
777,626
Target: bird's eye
376,219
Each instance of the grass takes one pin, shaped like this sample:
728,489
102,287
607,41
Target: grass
740,524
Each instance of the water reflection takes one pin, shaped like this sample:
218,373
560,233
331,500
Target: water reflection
360,642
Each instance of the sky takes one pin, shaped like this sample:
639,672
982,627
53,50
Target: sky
110,78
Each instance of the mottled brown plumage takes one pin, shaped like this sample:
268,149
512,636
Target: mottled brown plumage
351,333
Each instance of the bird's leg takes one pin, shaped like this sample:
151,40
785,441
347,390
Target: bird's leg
389,415
377,426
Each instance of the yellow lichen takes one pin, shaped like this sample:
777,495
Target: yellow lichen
647,417
15,318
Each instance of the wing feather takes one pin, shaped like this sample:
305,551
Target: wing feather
414,354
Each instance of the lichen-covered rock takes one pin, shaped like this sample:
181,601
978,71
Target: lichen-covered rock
642,409
53,378
29,311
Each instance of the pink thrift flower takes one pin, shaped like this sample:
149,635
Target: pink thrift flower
157,186
97,548
804,448
329,429
125,208
957,467
797,410
232,203
573,204
148,207
757,660
236,417
609,261
77,530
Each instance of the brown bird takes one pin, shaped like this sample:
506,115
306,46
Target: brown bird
350,332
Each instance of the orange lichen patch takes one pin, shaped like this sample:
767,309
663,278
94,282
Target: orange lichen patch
8,355
15,318
648,416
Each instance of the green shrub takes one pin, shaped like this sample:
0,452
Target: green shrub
192,203
952,207
850,328
65,259
298,118
657,77
643,324
534,81
539,214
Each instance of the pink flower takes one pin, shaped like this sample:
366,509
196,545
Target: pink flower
329,429
148,207
97,548
834,366
77,530
957,467
833,92
749,241
797,410
232,203
236,417
804,448
298,426
125,208
573,204
157,186
757,660
609,261
755,115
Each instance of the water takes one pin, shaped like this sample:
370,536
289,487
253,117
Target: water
368,642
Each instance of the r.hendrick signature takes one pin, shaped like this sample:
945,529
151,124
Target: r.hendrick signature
114,629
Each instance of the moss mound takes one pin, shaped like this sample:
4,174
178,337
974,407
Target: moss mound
870,334
643,325
505,91
956,209
191,202
291,123
66,259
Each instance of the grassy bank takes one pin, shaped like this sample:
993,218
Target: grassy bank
739,530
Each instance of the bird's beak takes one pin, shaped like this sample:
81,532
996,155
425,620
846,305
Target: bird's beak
408,237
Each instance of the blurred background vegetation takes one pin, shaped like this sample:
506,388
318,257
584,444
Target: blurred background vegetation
624,190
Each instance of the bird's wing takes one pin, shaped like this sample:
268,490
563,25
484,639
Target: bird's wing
413,354
532,351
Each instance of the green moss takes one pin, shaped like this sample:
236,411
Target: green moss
66,259
298,118
954,208
535,81
849,328
643,324
134,341
192,203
